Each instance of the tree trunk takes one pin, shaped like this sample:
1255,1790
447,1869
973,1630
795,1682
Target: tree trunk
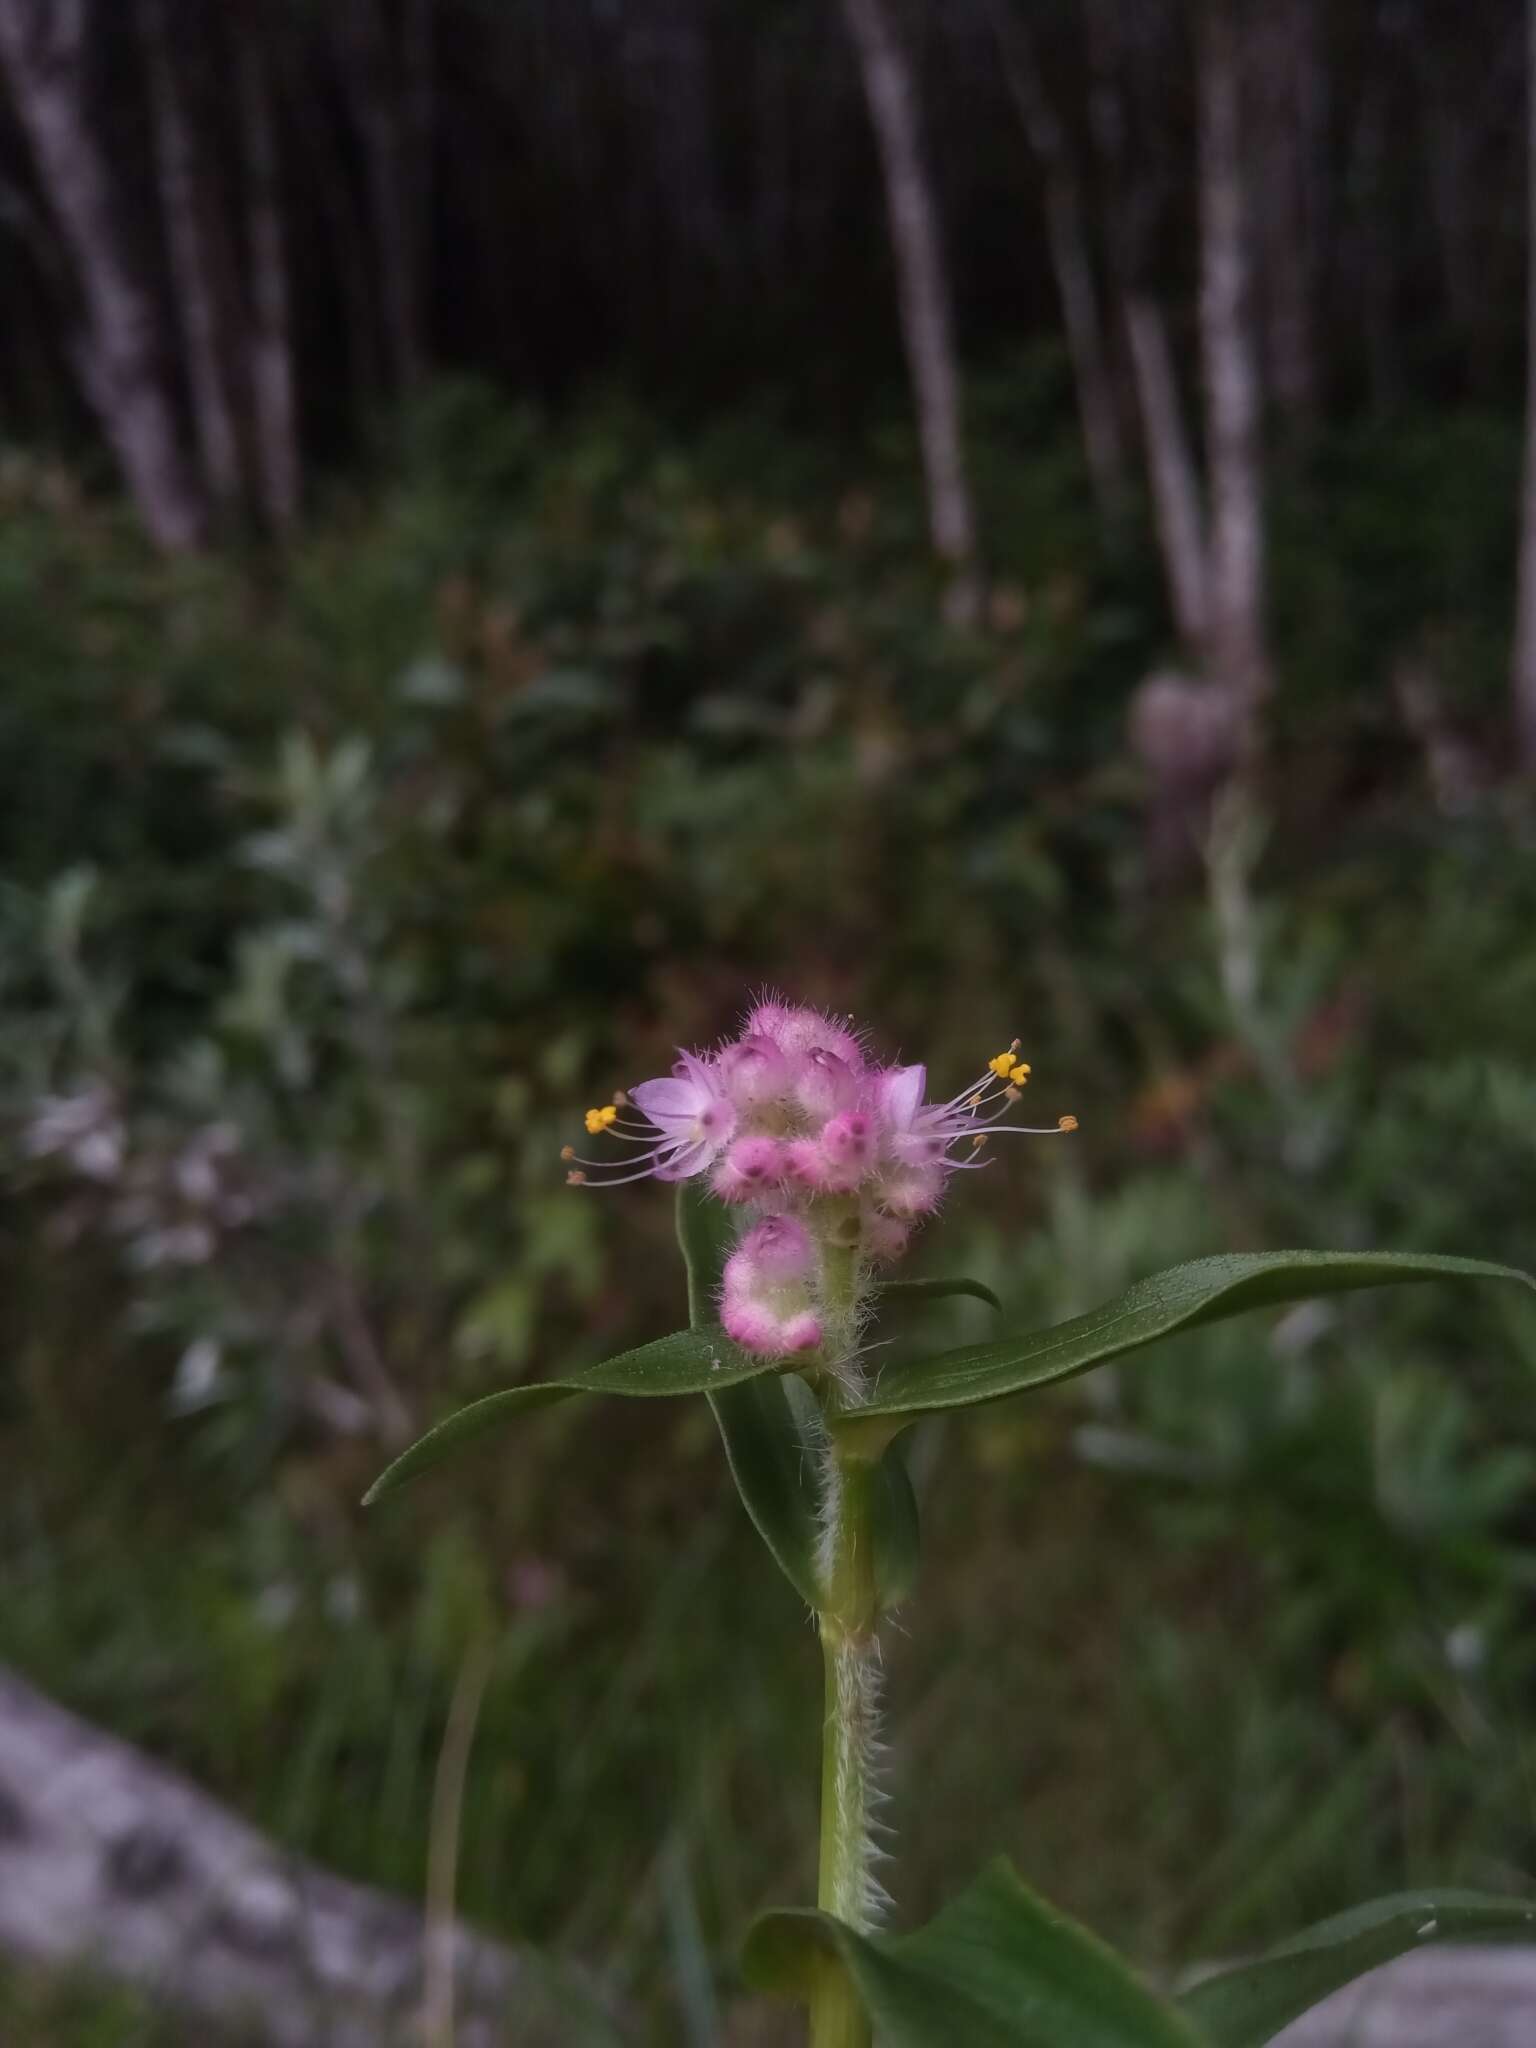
111,1863
1071,261
1284,74
184,200
1525,624
1237,657
269,348
1368,265
1175,485
926,322
382,108
43,49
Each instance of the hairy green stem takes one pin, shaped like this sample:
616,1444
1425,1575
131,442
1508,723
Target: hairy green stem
851,1654
840,1276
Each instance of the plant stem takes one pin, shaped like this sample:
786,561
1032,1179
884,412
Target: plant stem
851,1655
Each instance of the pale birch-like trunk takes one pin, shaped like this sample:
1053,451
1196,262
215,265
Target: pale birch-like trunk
43,51
1524,678
269,345
927,323
184,199
1071,261
1180,520
1237,656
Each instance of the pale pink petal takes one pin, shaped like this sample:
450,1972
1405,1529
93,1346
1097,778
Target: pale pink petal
669,1100
901,1095
685,1162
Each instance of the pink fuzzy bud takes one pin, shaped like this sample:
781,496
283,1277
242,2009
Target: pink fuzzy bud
825,1084
914,1191
797,1031
757,1329
849,1139
837,1161
750,1170
777,1250
807,1166
769,1019
884,1237
765,1303
754,1071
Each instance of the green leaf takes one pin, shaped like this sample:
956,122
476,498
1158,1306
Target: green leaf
997,1968
688,1362
896,1526
768,1425
1245,2007
934,1290
764,1429
1182,1298
706,1235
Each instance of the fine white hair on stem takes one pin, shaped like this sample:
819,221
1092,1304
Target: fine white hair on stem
855,1692
829,1500
860,1683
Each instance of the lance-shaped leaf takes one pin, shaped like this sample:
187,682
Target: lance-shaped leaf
997,1968
1182,1298
688,1362
771,1429
767,1424
898,1291
1245,2007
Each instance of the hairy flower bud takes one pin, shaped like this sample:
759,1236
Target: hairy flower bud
750,1170
765,1297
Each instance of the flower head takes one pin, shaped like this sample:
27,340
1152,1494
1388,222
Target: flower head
831,1157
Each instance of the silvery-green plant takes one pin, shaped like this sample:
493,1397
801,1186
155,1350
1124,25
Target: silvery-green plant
802,1164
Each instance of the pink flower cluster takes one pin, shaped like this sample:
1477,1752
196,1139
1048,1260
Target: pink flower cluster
795,1122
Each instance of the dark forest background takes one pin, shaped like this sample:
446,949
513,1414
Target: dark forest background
523,520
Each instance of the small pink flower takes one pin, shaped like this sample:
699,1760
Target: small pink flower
688,1122
920,1137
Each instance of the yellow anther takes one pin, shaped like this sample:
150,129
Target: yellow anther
1066,1123
567,1153
1020,1076
1001,1064
600,1119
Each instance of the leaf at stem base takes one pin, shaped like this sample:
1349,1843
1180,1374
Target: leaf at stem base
997,1968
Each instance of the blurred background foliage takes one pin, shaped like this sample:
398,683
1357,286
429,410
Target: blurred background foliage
337,884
